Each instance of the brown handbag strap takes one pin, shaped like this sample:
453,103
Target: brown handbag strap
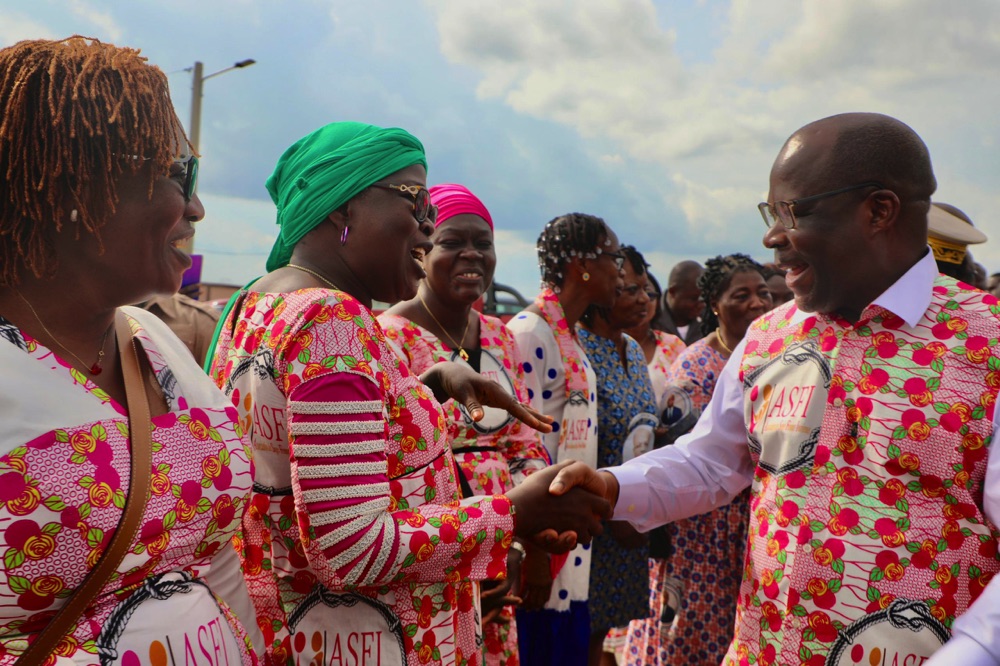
140,478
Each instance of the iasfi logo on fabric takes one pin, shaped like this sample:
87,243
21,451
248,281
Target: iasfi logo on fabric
356,648
884,657
206,647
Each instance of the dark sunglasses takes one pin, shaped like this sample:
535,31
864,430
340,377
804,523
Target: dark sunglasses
420,195
189,184
186,173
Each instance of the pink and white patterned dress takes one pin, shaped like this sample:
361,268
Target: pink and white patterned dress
494,454
178,596
668,348
356,546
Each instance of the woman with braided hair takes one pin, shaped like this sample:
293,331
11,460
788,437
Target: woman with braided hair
581,264
97,191
693,592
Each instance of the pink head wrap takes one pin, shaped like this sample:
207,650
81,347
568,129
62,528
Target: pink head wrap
453,199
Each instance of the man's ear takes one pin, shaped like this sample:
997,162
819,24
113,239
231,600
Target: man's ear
883,209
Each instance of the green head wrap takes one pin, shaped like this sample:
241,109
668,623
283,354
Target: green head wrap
323,170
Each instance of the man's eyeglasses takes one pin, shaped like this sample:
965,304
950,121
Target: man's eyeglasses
618,257
189,182
421,198
784,211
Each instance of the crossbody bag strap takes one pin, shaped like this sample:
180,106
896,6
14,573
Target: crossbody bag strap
140,478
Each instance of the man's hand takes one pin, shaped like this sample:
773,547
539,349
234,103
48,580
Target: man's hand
558,521
469,388
580,474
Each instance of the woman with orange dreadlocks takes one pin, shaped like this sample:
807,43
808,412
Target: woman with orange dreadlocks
97,189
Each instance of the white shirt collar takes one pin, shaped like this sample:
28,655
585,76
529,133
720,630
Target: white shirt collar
908,297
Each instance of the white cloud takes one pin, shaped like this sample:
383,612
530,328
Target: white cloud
711,128
107,28
16,27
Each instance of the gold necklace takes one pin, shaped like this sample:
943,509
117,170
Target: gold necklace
94,369
461,351
316,275
722,341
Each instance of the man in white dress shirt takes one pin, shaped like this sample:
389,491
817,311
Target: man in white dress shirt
862,415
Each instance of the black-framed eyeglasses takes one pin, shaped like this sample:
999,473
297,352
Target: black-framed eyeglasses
618,257
189,185
420,195
784,211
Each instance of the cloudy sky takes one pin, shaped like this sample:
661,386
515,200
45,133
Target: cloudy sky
662,117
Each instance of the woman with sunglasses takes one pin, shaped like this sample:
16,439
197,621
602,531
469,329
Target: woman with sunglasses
357,541
98,192
694,590
440,325
581,263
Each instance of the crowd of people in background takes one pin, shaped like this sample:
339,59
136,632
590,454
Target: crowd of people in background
755,464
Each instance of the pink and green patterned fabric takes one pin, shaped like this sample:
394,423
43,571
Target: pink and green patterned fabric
493,458
507,452
64,476
356,545
867,530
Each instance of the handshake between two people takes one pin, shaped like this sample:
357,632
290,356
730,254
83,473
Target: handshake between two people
563,505
555,508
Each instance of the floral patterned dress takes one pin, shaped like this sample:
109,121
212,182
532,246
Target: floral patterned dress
693,591
64,475
356,545
668,348
493,454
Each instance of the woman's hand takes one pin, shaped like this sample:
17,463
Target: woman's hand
558,523
469,388
537,577
496,594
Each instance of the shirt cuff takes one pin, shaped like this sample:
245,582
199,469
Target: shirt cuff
961,650
633,494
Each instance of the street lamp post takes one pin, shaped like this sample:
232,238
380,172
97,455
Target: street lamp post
194,131
197,83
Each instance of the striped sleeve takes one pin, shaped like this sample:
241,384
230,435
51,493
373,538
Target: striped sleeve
339,472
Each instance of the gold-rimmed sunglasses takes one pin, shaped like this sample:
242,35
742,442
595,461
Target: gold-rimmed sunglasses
420,195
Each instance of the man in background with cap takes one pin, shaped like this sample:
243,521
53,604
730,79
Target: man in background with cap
949,233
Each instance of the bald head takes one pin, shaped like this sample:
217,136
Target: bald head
685,273
861,183
861,147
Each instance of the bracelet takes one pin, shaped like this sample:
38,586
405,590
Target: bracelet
516,545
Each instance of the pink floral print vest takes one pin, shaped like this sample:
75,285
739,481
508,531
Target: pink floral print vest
867,536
